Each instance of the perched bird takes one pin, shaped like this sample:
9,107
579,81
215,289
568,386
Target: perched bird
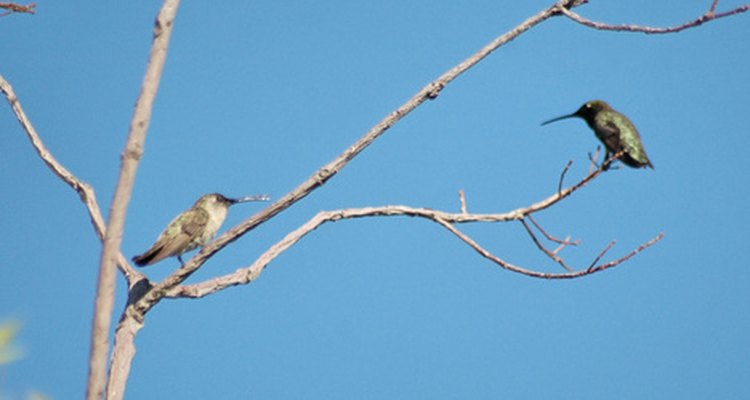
614,130
193,228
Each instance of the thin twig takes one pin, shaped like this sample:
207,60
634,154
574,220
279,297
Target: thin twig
462,199
603,252
561,246
709,15
17,8
540,246
712,10
594,165
565,242
626,257
84,190
535,274
562,176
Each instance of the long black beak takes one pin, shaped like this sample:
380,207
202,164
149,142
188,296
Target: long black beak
559,118
257,197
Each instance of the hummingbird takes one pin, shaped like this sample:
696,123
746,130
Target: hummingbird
193,228
614,130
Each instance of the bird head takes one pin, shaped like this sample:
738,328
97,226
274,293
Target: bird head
587,111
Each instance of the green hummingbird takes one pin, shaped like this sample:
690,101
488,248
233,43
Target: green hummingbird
193,228
614,130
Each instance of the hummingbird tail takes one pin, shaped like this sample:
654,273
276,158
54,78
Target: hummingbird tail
144,259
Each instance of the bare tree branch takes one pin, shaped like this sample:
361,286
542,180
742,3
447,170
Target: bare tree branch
113,237
709,15
715,3
17,8
561,242
535,274
246,275
593,166
550,253
562,176
447,220
462,200
84,190
606,249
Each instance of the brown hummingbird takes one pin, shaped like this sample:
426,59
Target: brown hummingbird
193,228
614,130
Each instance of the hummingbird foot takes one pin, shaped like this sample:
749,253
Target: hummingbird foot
610,159
611,167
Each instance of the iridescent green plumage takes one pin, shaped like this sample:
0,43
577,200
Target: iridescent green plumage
614,130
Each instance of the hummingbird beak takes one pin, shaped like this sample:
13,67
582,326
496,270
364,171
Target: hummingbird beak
257,197
559,118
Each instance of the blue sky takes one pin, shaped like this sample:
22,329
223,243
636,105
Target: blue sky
257,95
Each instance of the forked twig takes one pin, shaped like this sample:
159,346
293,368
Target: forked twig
592,158
17,8
563,242
551,254
562,176
709,15
712,10
535,274
248,274
603,252
85,191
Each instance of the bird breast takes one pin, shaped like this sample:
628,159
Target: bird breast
216,217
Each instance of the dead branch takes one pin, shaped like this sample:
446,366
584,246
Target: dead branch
248,274
562,176
551,254
130,159
592,158
536,274
17,8
462,200
713,6
84,190
603,252
709,15
561,242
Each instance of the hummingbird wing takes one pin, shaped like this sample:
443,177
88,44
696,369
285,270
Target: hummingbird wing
609,134
187,229
178,237
196,223
628,140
